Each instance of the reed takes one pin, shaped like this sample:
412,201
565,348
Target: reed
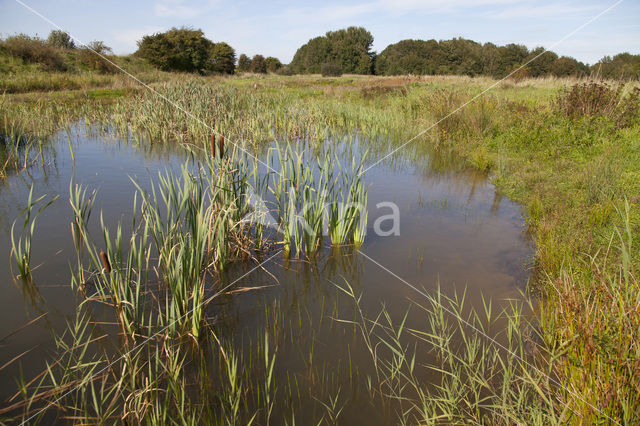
21,244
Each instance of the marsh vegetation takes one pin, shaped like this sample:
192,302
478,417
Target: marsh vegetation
186,305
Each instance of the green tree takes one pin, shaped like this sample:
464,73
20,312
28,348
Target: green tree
179,49
258,64
349,48
244,63
310,56
540,62
622,65
272,64
565,66
60,39
222,58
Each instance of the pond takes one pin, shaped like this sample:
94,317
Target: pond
455,233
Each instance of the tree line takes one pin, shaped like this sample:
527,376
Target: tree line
346,51
349,51
188,50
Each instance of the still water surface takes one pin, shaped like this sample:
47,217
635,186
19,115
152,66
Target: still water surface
456,232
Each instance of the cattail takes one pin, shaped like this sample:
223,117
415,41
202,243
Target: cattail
221,146
213,145
105,262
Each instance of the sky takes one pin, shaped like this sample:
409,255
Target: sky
278,28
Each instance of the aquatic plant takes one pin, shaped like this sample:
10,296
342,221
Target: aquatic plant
21,245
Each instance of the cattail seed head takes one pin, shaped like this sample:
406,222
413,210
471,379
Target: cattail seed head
221,146
105,262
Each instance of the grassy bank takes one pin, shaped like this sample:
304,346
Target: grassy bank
571,157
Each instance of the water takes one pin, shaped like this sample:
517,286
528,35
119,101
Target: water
456,233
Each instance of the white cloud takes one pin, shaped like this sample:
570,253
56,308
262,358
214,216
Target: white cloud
406,6
127,39
179,8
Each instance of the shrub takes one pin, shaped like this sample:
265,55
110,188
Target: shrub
258,64
284,70
187,50
244,63
596,99
519,74
222,59
330,70
34,50
179,49
90,56
60,40
272,64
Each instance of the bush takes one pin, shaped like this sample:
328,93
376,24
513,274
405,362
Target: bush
34,50
89,57
60,39
272,64
187,50
179,49
244,63
258,64
330,70
595,99
222,59
284,70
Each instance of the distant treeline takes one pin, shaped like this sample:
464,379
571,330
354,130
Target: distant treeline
346,51
349,51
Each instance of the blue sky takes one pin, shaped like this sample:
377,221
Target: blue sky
278,28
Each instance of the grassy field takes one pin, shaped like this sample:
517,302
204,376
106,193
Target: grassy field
567,150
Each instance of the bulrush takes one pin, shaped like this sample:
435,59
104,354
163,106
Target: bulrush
105,262
221,146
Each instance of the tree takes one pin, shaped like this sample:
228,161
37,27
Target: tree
272,64
622,65
349,48
309,57
564,66
60,39
179,49
540,62
258,64
244,63
408,57
93,56
222,59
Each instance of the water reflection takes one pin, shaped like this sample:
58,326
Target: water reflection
456,233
